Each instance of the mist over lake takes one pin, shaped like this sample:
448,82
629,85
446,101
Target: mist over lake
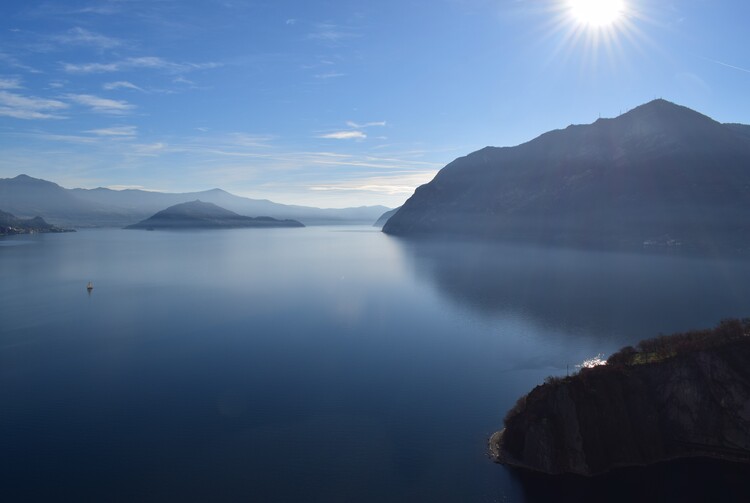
317,364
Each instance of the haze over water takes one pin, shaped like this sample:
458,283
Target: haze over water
316,364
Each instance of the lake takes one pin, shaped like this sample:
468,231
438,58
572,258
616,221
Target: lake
318,364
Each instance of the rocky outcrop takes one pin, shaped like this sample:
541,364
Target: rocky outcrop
680,396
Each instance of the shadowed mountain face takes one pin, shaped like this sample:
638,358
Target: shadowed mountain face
200,215
660,174
25,196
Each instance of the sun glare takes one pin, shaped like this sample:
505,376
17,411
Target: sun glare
596,13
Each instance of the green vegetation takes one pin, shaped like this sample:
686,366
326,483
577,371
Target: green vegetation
668,346
657,349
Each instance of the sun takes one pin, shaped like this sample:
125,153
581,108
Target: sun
596,13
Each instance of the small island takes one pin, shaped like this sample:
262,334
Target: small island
11,224
200,215
681,396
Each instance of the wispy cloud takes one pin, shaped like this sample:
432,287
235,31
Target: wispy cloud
150,149
10,83
182,80
115,131
329,75
355,133
739,68
67,138
101,105
81,36
344,135
144,62
13,62
29,107
57,84
331,33
133,187
249,140
355,125
122,84
395,185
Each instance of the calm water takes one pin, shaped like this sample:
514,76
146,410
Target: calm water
317,364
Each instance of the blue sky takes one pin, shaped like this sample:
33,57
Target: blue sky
335,103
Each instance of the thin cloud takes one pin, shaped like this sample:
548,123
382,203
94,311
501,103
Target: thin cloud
81,36
115,131
248,140
354,125
344,135
331,33
150,149
145,62
122,84
15,63
183,80
395,185
10,83
29,107
330,75
101,105
133,187
746,70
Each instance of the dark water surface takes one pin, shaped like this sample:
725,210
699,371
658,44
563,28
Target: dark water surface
316,364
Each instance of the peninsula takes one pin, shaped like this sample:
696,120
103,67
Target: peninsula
200,215
681,396
10,224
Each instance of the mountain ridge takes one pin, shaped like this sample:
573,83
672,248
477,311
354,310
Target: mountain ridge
658,173
204,215
102,207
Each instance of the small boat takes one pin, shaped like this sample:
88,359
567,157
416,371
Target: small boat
89,287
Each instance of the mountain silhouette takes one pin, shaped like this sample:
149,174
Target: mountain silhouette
201,215
660,174
25,196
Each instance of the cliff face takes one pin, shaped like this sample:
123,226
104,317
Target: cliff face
645,408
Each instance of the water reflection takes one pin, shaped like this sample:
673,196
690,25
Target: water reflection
625,296
620,297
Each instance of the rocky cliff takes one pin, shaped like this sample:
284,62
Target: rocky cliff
680,396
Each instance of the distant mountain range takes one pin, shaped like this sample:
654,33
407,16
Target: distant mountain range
658,175
10,224
201,215
25,196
